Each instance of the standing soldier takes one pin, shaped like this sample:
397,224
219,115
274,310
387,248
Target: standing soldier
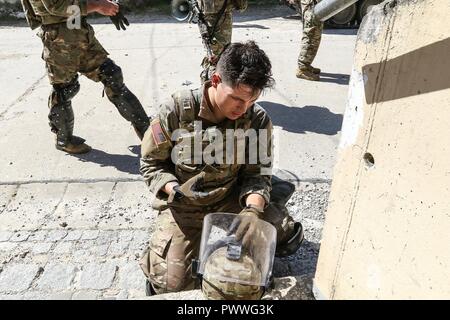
70,47
187,185
219,20
312,33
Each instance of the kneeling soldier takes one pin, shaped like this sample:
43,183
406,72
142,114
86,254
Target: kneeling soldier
186,164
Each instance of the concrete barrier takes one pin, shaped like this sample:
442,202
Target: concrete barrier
386,233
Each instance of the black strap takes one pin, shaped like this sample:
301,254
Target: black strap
221,12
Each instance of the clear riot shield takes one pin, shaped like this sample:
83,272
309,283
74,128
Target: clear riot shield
224,259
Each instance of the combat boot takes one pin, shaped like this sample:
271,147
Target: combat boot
307,74
315,70
75,146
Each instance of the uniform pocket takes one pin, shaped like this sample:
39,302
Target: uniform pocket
160,241
153,261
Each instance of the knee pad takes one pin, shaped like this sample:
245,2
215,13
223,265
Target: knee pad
63,93
61,121
111,75
62,111
292,244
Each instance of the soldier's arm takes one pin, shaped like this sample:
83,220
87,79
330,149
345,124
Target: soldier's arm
104,7
256,178
63,8
156,164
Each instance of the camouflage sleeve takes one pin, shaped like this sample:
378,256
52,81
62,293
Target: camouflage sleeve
156,164
61,7
256,178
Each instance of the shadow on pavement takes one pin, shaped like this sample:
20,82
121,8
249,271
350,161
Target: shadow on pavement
300,120
287,176
136,149
249,25
304,261
338,78
344,31
122,162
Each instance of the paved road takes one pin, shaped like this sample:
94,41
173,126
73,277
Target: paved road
72,227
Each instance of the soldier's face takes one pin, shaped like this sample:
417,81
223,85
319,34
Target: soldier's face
231,102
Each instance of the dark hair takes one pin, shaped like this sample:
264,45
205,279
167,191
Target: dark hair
245,63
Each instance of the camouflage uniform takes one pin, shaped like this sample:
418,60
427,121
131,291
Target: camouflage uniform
68,52
219,17
312,33
167,261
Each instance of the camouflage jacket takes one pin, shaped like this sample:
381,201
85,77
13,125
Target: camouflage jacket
169,152
213,7
51,11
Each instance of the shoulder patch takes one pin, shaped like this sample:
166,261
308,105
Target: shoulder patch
159,136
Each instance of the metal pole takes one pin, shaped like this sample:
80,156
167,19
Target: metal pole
327,8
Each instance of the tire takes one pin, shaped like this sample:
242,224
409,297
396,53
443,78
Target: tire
364,6
344,18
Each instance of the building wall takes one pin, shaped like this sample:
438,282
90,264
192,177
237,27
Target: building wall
9,1
387,228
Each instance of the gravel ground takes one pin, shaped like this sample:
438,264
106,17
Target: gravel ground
307,205
88,247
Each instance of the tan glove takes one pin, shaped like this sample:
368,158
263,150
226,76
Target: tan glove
245,227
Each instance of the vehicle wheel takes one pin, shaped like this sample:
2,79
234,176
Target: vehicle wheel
344,18
364,6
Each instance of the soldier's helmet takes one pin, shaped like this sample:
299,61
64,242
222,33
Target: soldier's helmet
227,279
229,270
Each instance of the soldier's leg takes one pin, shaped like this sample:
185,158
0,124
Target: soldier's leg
125,101
311,36
98,67
222,37
61,118
62,72
167,262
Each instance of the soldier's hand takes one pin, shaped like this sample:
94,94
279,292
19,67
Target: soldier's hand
245,226
105,7
119,20
190,190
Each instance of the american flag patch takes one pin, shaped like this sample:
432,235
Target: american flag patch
158,134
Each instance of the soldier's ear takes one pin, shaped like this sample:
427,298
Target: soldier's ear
215,80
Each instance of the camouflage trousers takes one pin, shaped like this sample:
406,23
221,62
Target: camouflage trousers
222,37
167,262
68,52
311,34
